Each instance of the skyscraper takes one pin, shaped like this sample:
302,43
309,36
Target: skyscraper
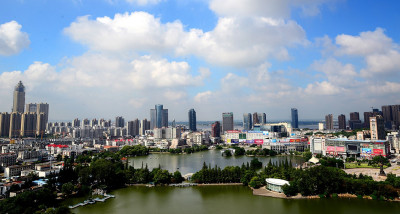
329,122
28,124
4,124
377,128
295,118
342,121
355,122
133,127
216,129
255,118
158,117
247,122
19,98
262,118
192,120
15,125
227,121
119,122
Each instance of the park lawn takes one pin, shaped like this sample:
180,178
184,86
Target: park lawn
362,165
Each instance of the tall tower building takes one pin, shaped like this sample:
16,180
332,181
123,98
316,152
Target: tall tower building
76,122
295,118
247,122
262,118
255,119
15,125
4,124
355,122
158,117
329,122
342,121
133,127
377,128
28,124
119,122
192,120
41,123
227,121
19,98
216,129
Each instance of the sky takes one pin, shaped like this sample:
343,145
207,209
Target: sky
108,58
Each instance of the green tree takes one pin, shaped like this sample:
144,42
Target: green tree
67,188
307,156
256,182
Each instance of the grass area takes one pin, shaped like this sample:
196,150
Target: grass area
362,165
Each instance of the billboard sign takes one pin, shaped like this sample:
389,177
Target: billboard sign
234,140
249,141
265,133
330,148
366,150
340,149
259,141
378,151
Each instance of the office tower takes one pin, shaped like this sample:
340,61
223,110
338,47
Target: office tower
295,118
247,122
28,124
15,125
367,115
143,127
329,122
387,113
4,124
119,122
192,120
94,122
396,116
43,108
76,123
19,98
173,124
216,129
227,121
41,124
31,107
377,128
255,119
85,122
355,122
262,118
133,127
342,121
158,117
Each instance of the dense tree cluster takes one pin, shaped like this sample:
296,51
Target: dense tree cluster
261,152
189,150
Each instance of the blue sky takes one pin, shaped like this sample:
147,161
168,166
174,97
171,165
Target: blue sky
105,58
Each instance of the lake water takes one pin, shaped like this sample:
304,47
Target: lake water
218,199
226,199
190,163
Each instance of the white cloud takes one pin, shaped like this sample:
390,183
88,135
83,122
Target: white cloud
233,42
12,39
367,43
144,2
336,72
267,8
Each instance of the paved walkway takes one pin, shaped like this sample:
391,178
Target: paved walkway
394,169
262,191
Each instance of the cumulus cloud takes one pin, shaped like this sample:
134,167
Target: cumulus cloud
233,42
12,39
266,8
144,2
336,72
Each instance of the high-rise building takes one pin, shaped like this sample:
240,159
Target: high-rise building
216,129
119,122
355,122
19,98
85,122
41,124
133,127
15,125
329,122
255,118
28,124
143,126
342,121
247,122
227,121
39,108
4,124
192,120
295,118
367,115
377,128
158,117
94,122
76,123
396,116
262,118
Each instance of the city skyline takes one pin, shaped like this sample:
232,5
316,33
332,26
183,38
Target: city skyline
270,55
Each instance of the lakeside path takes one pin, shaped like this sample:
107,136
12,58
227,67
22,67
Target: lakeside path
374,173
262,191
